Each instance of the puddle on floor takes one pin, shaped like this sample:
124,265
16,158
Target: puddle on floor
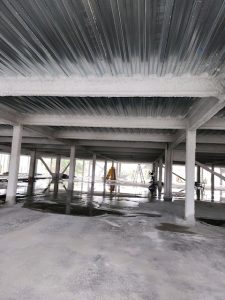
84,210
219,223
173,228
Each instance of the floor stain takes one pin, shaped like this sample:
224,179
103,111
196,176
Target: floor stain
84,210
220,223
174,228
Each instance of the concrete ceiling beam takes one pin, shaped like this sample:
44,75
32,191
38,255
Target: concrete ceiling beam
103,121
108,86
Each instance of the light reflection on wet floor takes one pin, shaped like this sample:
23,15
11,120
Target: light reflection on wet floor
52,196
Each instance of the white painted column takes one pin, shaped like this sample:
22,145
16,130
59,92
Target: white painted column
93,174
57,167
156,170
14,164
212,184
118,175
31,175
221,183
82,182
190,176
89,175
32,165
72,169
160,177
56,177
71,178
104,179
168,174
198,181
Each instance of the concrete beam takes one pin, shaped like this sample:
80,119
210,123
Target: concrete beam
123,150
106,121
214,124
108,86
7,115
121,144
199,114
87,135
203,111
179,138
31,140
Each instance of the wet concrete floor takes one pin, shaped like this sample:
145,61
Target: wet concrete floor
56,256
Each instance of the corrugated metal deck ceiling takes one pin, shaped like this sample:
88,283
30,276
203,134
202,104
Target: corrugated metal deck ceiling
97,37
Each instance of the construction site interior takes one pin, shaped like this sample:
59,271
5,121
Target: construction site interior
112,149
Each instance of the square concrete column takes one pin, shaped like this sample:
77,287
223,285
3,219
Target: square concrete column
57,167
118,175
72,169
32,165
93,174
190,176
104,179
156,170
82,182
212,184
71,178
56,177
168,174
160,177
31,175
14,164
198,192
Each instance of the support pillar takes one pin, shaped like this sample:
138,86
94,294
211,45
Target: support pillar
56,177
212,184
72,170
104,179
57,167
82,182
221,183
156,170
14,164
93,174
198,183
118,176
160,178
168,174
31,175
190,176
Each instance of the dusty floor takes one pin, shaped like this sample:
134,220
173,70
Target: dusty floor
53,256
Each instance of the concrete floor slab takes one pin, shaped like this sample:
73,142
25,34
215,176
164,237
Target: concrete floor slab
51,256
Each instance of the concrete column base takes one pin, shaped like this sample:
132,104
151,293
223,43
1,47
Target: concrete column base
168,198
190,220
11,200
